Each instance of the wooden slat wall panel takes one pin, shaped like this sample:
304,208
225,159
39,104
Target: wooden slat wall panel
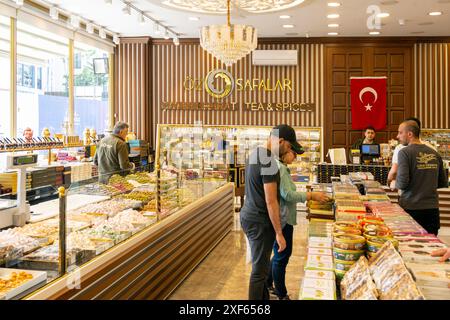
171,65
432,84
133,91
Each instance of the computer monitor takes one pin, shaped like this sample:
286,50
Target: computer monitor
372,150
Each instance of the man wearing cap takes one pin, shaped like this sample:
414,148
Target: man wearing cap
260,215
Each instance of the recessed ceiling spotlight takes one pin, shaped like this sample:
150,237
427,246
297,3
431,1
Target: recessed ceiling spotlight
89,28
102,33
401,22
334,4
333,16
285,17
141,18
108,1
54,14
156,29
333,25
194,18
333,33
288,26
435,13
126,10
374,33
75,21
383,15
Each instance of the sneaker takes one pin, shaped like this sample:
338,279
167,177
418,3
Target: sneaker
286,297
271,290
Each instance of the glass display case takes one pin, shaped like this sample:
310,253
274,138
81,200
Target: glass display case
97,218
208,149
439,138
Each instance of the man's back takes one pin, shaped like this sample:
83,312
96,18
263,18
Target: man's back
110,150
261,167
420,174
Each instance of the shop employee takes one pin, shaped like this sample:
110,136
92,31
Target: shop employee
112,154
369,138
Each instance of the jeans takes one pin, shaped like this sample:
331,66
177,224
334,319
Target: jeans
261,237
277,272
429,219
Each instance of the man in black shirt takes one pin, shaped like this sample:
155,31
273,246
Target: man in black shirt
260,215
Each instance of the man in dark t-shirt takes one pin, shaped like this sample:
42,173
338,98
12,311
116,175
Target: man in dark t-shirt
420,173
260,215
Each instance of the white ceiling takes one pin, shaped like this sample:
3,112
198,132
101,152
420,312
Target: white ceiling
309,17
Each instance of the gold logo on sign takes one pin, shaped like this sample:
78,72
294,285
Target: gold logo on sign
425,157
212,90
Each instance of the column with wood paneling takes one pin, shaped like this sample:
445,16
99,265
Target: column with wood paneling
133,85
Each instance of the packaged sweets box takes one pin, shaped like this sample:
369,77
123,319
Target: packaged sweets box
320,274
432,275
317,294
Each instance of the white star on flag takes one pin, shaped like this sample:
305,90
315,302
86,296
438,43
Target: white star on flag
368,107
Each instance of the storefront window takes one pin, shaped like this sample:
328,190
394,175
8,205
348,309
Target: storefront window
91,84
42,80
5,68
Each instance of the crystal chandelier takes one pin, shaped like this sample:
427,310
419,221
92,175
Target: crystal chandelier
230,42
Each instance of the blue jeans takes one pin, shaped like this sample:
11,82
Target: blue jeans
277,272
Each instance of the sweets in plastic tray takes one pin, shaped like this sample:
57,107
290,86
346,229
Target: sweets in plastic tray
391,277
357,283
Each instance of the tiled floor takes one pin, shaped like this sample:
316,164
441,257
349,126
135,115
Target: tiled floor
224,274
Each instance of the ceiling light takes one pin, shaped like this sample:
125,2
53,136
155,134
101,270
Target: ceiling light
229,42
102,33
126,10
333,16
194,18
19,2
374,33
108,1
75,21
383,15
141,18
176,41
401,22
54,14
333,25
166,34
156,28
333,33
89,28
116,39
285,17
288,26
435,13
334,4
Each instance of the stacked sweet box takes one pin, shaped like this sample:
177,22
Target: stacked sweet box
319,281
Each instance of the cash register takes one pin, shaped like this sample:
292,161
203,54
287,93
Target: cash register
369,152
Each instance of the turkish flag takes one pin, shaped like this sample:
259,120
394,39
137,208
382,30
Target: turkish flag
368,102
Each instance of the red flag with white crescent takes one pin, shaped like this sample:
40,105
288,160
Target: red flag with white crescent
368,102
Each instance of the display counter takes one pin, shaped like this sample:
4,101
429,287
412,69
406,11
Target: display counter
152,263
136,238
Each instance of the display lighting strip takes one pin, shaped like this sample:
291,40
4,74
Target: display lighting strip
75,20
156,25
